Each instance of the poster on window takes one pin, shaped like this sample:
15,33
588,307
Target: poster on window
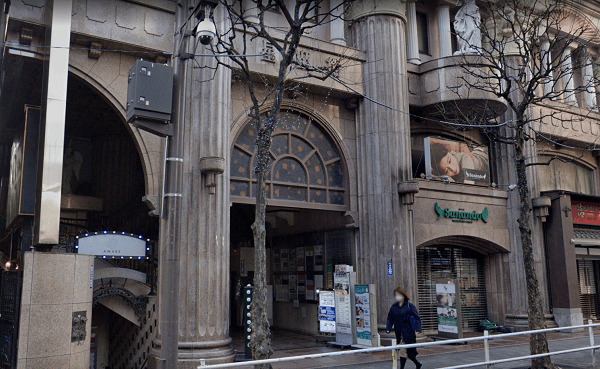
326,311
300,262
447,306
457,161
343,303
363,315
319,258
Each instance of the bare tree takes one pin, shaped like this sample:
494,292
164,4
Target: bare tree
235,49
529,53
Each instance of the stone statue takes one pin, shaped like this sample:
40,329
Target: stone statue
71,168
466,26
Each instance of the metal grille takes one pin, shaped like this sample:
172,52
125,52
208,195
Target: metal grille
463,265
588,296
9,320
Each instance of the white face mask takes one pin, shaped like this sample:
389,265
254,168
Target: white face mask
400,298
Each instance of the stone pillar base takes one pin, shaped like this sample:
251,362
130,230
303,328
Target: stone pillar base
520,323
568,317
191,354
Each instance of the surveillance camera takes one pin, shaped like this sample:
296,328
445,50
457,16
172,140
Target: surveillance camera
512,187
206,32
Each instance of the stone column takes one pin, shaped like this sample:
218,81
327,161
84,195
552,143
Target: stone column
204,274
336,27
384,157
444,31
567,77
589,93
250,11
412,33
547,64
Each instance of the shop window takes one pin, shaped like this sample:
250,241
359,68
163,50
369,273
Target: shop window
423,33
566,176
304,263
306,166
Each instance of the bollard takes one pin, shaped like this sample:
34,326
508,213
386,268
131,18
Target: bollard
393,354
592,344
486,346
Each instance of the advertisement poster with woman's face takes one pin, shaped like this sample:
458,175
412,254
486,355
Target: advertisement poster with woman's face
459,162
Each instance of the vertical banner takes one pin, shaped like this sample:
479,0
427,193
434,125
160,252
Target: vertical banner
363,315
327,312
344,305
448,308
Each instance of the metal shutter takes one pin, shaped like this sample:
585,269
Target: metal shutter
464,265
587,288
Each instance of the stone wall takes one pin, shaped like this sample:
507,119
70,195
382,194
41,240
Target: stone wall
54,286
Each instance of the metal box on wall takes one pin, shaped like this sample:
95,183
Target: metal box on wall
150,96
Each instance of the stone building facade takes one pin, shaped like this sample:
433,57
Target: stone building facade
349,181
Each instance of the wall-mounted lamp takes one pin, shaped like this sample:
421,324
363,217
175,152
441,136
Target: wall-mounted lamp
211,166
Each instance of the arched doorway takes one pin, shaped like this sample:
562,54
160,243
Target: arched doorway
306,222
105,186
453,263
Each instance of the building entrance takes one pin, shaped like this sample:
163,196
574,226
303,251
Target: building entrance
462,265
303,246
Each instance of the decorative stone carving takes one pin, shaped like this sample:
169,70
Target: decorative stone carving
95,50
467,24
541,206
407,190
211,166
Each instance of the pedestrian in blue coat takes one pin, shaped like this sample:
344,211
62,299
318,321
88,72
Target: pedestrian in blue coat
405,320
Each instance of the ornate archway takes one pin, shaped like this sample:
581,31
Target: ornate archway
307,167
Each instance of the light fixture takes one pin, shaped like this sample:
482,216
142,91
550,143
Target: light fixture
512,187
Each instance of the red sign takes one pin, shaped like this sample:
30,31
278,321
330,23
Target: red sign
586,212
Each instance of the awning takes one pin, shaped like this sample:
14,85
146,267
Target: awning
586,237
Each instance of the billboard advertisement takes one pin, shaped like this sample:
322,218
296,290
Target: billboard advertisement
587,213
460,162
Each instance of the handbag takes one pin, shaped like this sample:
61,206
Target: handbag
415,320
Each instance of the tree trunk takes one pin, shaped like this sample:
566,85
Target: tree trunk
538,342
261,333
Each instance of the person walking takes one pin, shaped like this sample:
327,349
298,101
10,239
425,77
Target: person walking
405,320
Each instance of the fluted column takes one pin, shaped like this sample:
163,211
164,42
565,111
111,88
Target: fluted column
250,11
412,33
383,145
589,84
336,27
204,277
567,77
444,32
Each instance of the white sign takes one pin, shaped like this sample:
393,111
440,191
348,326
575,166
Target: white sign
112,244
343,303
445,291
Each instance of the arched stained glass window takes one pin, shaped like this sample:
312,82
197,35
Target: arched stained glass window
307,168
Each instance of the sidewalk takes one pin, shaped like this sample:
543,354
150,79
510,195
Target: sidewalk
292,344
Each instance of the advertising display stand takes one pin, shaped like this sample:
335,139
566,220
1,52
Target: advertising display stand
365,328
326,315
344,279
449,312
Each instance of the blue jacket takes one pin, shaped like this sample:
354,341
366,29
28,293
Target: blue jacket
405,320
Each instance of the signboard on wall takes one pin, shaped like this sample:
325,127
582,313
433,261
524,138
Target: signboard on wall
362,300
587,213
448,308
327,312
460,162
114,245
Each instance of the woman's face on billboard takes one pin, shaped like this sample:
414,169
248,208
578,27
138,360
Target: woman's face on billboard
449,165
